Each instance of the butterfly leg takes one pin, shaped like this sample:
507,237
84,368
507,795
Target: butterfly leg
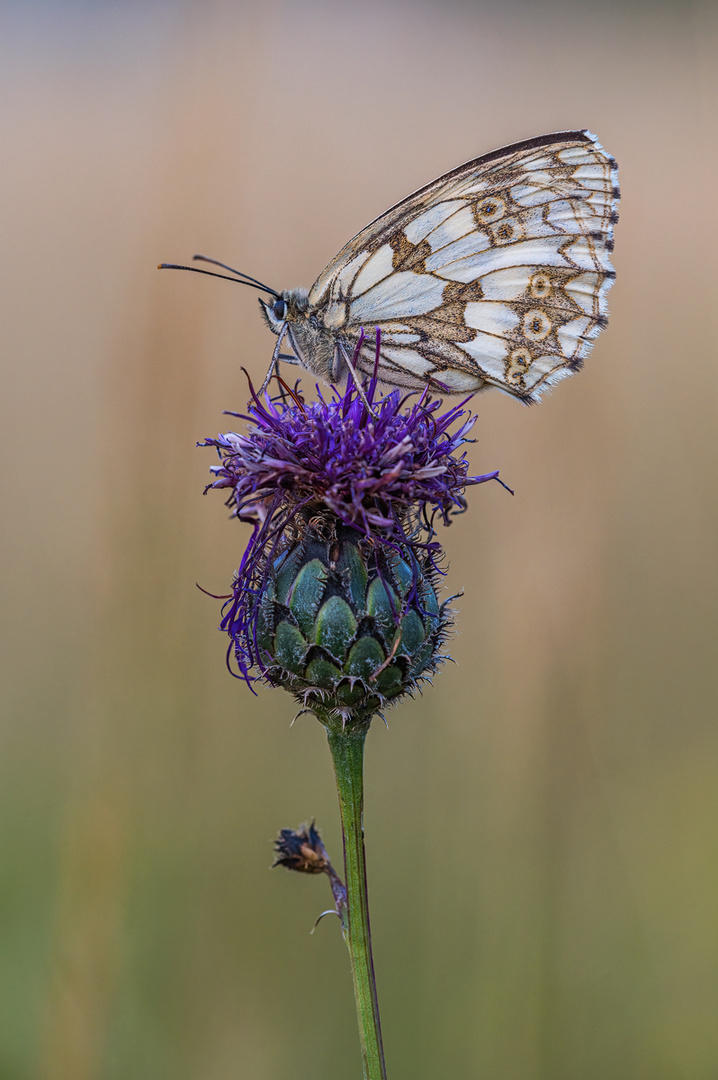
276,357
273,368
344,355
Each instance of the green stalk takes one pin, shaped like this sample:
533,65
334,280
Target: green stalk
347,749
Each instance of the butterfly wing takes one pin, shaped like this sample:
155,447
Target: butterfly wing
494,274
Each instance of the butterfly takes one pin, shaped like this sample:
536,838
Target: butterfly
495,274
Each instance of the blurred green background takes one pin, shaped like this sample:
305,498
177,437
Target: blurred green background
541,825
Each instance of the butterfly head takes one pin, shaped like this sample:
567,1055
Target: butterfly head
289,306
295,322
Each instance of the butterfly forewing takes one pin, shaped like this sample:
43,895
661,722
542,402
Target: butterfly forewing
496,273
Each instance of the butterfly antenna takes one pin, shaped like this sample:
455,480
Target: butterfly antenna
225,277
240,274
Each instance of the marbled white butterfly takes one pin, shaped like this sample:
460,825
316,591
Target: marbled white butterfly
495,274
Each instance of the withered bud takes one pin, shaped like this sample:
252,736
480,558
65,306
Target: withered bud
302,850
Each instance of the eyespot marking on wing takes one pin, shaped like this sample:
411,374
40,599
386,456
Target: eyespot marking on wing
490,209
536,325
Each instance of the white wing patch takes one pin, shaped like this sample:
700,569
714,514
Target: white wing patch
460,382
495,274
348,274
408,358
421,226
491,317
459,224
506,284
398,295
571,335
585,290
376,269
464,248
490,350
540,252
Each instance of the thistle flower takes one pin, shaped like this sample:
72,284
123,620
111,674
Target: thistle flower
335,598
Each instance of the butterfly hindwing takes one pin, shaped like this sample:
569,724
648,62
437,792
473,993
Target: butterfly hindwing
496,273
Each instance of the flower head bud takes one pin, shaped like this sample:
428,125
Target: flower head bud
347,625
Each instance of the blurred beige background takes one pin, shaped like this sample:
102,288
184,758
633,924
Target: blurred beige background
541,824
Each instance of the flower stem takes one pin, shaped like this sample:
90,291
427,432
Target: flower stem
347,748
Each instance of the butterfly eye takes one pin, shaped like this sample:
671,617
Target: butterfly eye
279,309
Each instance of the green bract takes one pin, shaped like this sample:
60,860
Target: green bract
342,626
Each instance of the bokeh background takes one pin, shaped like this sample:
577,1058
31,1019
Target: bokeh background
542,823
